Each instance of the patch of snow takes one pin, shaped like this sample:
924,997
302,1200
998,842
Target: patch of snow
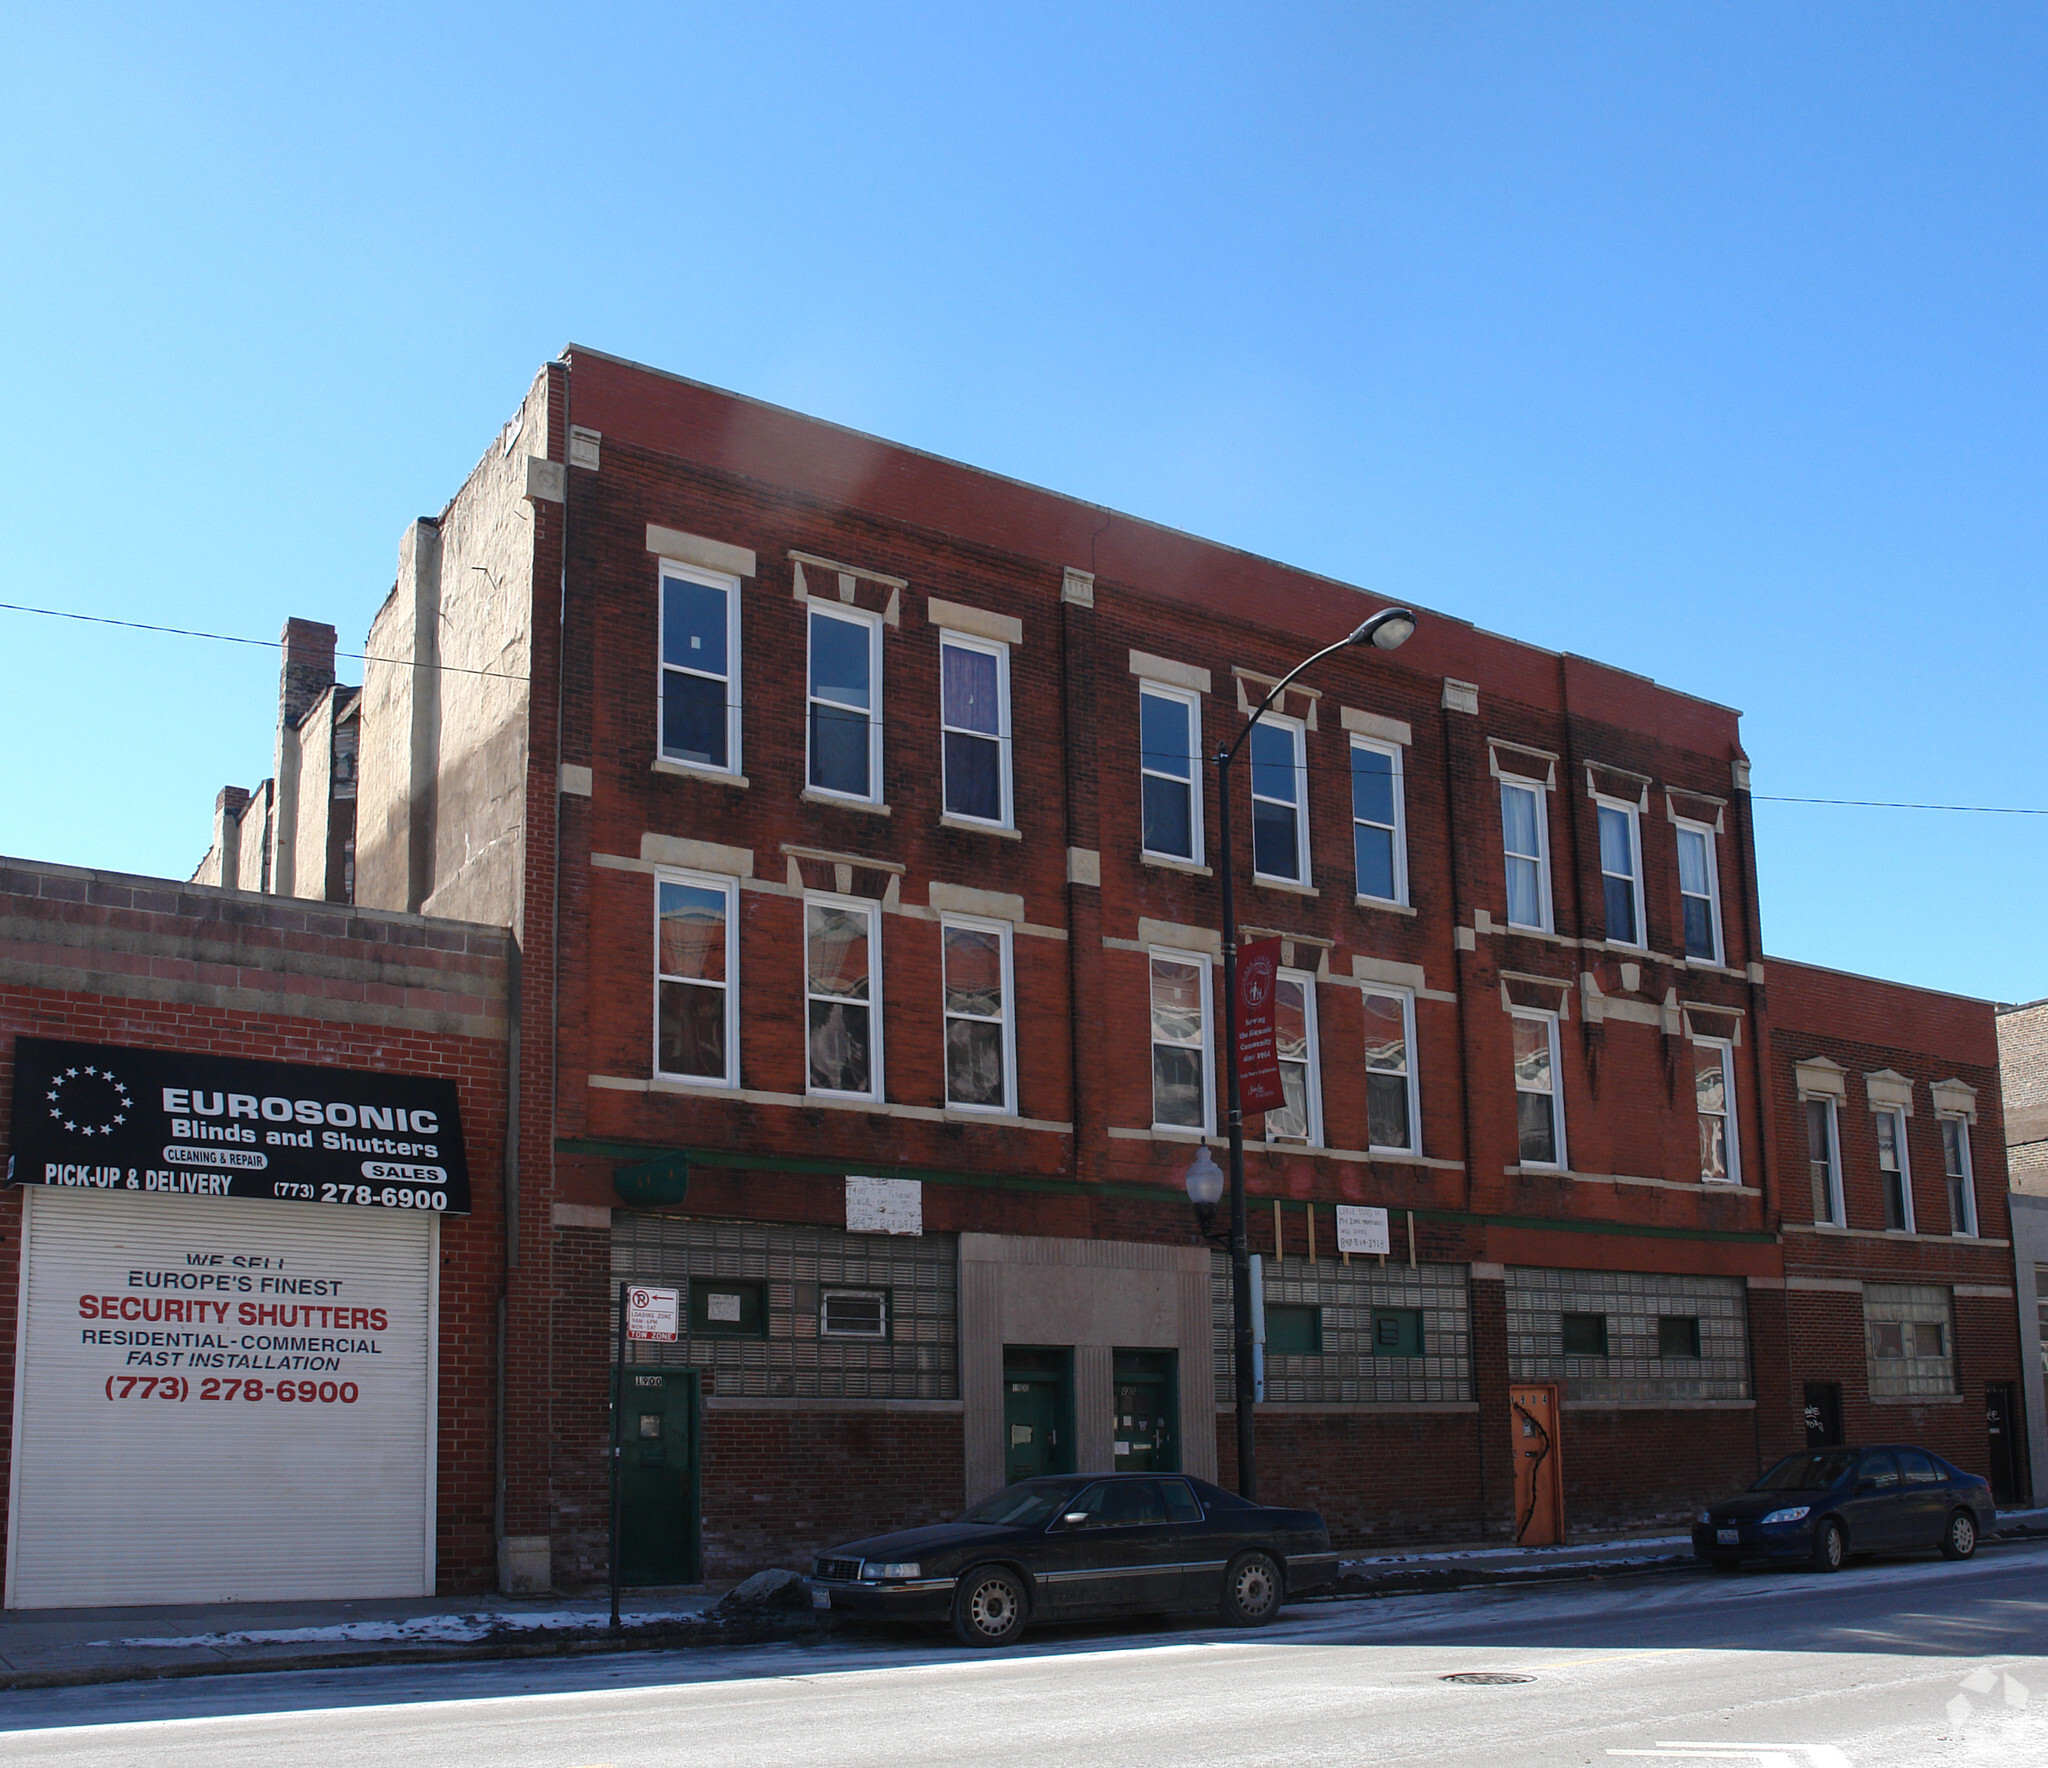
422,1629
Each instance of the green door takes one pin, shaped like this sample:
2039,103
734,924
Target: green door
1036,1408
658,1478
1146,1436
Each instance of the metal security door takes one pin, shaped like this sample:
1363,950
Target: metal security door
658,1486
1823,1414
2003,1430
1146,1423
1539,1472
1036,1404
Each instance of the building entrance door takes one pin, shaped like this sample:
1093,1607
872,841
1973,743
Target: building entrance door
2001,1422
1146,1425
1539,1473
1038,1406
1823,1414
658,1534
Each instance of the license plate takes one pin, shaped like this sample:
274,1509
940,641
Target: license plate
1727,1538
821,1599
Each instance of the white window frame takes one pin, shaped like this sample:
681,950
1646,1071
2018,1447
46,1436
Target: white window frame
1556,1095
873,911
1008,1020
1731,1121
1634,816
987,647
1541,793
1407,999
1392,751
1705,831
1203,963
1297,735
668,571
1312,1081
730,888
814,610
1192,701
1967,1179
1898,1117
1838,1209
842,1289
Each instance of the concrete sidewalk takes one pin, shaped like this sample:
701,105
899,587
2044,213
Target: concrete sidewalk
42,1648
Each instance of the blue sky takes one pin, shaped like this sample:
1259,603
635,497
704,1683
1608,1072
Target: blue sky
1703,340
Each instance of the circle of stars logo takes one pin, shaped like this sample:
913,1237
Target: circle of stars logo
89,1101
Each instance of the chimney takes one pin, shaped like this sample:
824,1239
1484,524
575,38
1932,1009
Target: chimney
308,668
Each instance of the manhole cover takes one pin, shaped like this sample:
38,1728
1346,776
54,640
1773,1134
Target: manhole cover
1485,1678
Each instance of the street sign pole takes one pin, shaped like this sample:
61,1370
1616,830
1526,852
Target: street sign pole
618,1406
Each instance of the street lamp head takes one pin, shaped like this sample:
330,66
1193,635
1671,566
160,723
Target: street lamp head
1205,1180
1388,630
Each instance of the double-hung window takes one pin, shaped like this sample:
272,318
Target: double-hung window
1279,801
974,719
1378,848
1621,871
1180,1041
981,1057
1894,1169
1169,748
845,698
1955,1161
700,668
1539,1108
1824,1160
696,1004
1300,1119
1699,892
1525,842
842,997
1713,1084
1390,1106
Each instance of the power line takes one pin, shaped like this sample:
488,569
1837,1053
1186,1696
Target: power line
267,644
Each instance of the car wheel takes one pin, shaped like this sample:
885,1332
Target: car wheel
1959,1539
1251,1590
1829,1548
988,1607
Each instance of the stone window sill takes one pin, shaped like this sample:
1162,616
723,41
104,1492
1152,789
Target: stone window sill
689,770
810,795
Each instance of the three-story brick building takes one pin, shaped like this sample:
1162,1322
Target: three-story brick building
853,811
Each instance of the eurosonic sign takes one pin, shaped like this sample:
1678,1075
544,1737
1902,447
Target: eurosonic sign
1258,1050
99,1117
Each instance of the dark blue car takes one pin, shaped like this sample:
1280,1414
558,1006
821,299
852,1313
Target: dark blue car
1825,1504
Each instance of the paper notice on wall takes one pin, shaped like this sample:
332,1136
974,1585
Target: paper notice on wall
1361,1230
884,1206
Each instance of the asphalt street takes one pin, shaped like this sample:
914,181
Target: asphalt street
1910,1662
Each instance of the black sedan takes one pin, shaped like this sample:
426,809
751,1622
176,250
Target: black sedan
1821,1506
1081,1545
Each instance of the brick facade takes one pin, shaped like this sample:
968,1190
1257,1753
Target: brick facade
624,468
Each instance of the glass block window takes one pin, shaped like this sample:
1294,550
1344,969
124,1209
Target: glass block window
1634,1306
1350,1302
1910,1340
805,1277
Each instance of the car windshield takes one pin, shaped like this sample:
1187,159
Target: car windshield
1020,1507
1806,1473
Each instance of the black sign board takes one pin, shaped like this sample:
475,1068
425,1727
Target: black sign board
98,1117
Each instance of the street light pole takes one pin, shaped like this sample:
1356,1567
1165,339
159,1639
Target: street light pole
1386,630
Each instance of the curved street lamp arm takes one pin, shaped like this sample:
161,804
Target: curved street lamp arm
1280,687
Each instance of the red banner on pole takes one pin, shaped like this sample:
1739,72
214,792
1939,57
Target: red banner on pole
1258,1052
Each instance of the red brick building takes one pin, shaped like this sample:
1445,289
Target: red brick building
851,811
222,1439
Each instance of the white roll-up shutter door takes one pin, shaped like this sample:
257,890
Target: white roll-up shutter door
144,1470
